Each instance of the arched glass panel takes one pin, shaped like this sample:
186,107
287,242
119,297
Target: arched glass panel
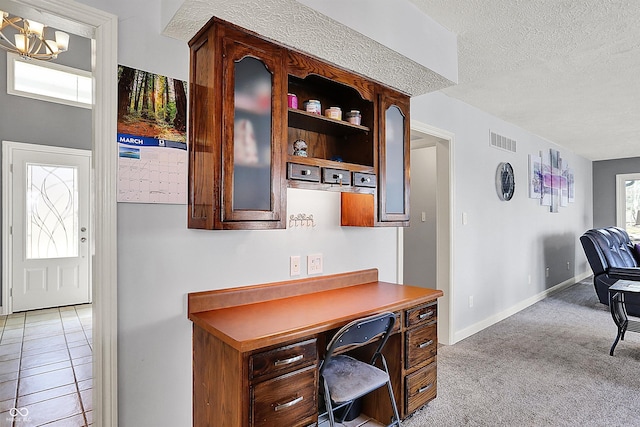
252,136
394,161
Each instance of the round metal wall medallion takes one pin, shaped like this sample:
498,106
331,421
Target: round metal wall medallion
505,181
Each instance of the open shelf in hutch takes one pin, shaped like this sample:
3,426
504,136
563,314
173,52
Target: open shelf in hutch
331,143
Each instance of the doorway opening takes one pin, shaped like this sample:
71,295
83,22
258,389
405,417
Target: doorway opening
426,244
101,28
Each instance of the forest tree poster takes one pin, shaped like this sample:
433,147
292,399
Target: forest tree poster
152,138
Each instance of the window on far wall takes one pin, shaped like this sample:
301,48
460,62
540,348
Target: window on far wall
628,204
48,81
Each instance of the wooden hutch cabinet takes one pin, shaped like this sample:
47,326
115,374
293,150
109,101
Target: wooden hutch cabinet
243,132
236,131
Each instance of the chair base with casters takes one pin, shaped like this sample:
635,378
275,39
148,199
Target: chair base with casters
346,379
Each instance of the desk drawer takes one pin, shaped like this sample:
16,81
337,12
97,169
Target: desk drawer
283,359
288,400
421,344
420,387
421,314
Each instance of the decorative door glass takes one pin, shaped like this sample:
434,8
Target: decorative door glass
252,136
394,161
51,211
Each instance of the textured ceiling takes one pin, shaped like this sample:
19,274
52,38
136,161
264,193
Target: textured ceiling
305,29
565,70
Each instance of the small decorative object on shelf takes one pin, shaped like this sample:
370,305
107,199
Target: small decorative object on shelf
292,100
333,113
354,117
312,106
300,148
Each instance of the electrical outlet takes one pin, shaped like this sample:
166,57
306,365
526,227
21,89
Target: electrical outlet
568,268
424,217
314,264
546,272
295,265
470,301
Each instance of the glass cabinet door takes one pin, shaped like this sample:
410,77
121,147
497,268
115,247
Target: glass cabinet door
393,196
252,122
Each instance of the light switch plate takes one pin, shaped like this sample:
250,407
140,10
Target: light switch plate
314,264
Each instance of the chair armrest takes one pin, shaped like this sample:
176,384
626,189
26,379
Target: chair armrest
625,273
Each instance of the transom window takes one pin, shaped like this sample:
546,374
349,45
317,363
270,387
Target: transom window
48,81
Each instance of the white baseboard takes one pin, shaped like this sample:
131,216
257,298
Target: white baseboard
477,327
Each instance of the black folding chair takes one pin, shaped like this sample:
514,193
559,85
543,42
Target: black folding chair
346,379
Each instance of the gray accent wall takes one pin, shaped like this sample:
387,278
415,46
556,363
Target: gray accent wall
47,123
604,188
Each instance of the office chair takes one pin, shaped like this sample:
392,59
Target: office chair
346,379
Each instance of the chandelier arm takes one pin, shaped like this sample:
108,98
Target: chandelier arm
33,49
3,37
11,22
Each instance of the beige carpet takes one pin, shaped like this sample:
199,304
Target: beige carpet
548,365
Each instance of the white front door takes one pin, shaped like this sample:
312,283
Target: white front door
49,229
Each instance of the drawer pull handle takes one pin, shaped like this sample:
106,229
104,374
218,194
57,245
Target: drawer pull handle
288,404
337,176
425,388
289,360
306,172
427,314
425,344
366,179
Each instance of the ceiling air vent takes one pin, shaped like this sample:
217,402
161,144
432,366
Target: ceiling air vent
502,142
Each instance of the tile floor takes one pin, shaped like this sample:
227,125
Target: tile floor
46,368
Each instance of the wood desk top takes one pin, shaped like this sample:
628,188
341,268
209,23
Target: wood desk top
260,324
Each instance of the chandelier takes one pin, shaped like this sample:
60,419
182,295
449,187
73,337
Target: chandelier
29,39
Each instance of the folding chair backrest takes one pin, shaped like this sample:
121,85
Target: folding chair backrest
362,331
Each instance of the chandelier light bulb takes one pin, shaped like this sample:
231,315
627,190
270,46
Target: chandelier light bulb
21,43
62,40
35,27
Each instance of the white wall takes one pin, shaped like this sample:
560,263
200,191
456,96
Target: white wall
504,242
160,260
